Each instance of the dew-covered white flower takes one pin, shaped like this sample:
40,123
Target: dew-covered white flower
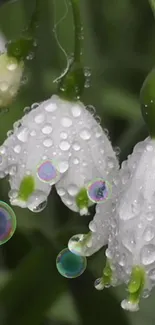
68,135
131,243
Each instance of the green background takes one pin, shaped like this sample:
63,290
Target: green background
120,51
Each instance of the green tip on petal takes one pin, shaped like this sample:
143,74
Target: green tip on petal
147,100
136,284
82,199
20,49
27,187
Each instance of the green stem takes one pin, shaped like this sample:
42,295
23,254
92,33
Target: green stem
78,30
23,46
152,5
72,83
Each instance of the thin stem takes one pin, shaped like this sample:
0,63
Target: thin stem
78,29
152,5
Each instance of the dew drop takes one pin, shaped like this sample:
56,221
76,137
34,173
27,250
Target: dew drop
47,129
47,142
46,171
92,226
61,191
4,86
27,109
70,265
64,145
9,133
39,118
148,234
85,134
149,147
12,65
17,124
117,150
76,111
151,274
22,134
76,146
51,107
33,133
72,190
91,109
37,201
148,254
63,135
17,149
12,170
63,166
13,194
76,161
34,106
66,122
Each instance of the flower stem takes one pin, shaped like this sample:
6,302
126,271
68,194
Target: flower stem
23,46
72,83
152,5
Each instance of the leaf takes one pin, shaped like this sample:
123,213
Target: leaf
33,287
95,306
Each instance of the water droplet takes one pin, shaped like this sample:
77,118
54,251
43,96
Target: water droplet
34,106
27,109
66,122
129,241
91,109
148,254
9,133
63,166
51,107
87,71
63,135
61,191
12,170
40,207
151,274
4,86
47,129
17,149
106,132
117,151
37,201
64,145
149,233
47,142
111,162
12,65
98,119
98,191
46,171
92,226
73,190
33,133
13,194
76,146
76,111
85,134
70,265
76,161
22,134
17,124
125,176
30,56
7,222
149,147
39,118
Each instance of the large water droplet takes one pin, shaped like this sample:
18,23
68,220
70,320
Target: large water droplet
129,241
85,134
47,142
70,265
148,254
76,111
37,201
64,145
66,122
7,222
47,129
22,134
39,118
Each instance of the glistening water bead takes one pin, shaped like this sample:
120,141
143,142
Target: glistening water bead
70,265
98,191
46,171
7,222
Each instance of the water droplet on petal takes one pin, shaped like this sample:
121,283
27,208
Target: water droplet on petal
85,134
76,146
47,129
149,147
98,191
66,122
64,145
37,201
4,86
76,111
76,161
7,222
47,142
70,265
151,274
12,170
63,166
34,106
33,133
46,171
9,133
12,65
63,135
13,194
17,149
22,134
149,233
73,190
148,254
51,107
27,109
39,118
61,191
91,109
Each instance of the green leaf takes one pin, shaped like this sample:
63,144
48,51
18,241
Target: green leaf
33,287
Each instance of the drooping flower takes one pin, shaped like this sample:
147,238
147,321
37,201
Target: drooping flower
66,134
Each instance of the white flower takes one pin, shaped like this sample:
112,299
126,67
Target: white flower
131,245
69,136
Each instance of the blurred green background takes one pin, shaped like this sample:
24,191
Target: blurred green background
120,51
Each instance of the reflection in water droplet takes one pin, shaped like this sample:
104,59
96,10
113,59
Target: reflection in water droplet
70,265
46,171
7,222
